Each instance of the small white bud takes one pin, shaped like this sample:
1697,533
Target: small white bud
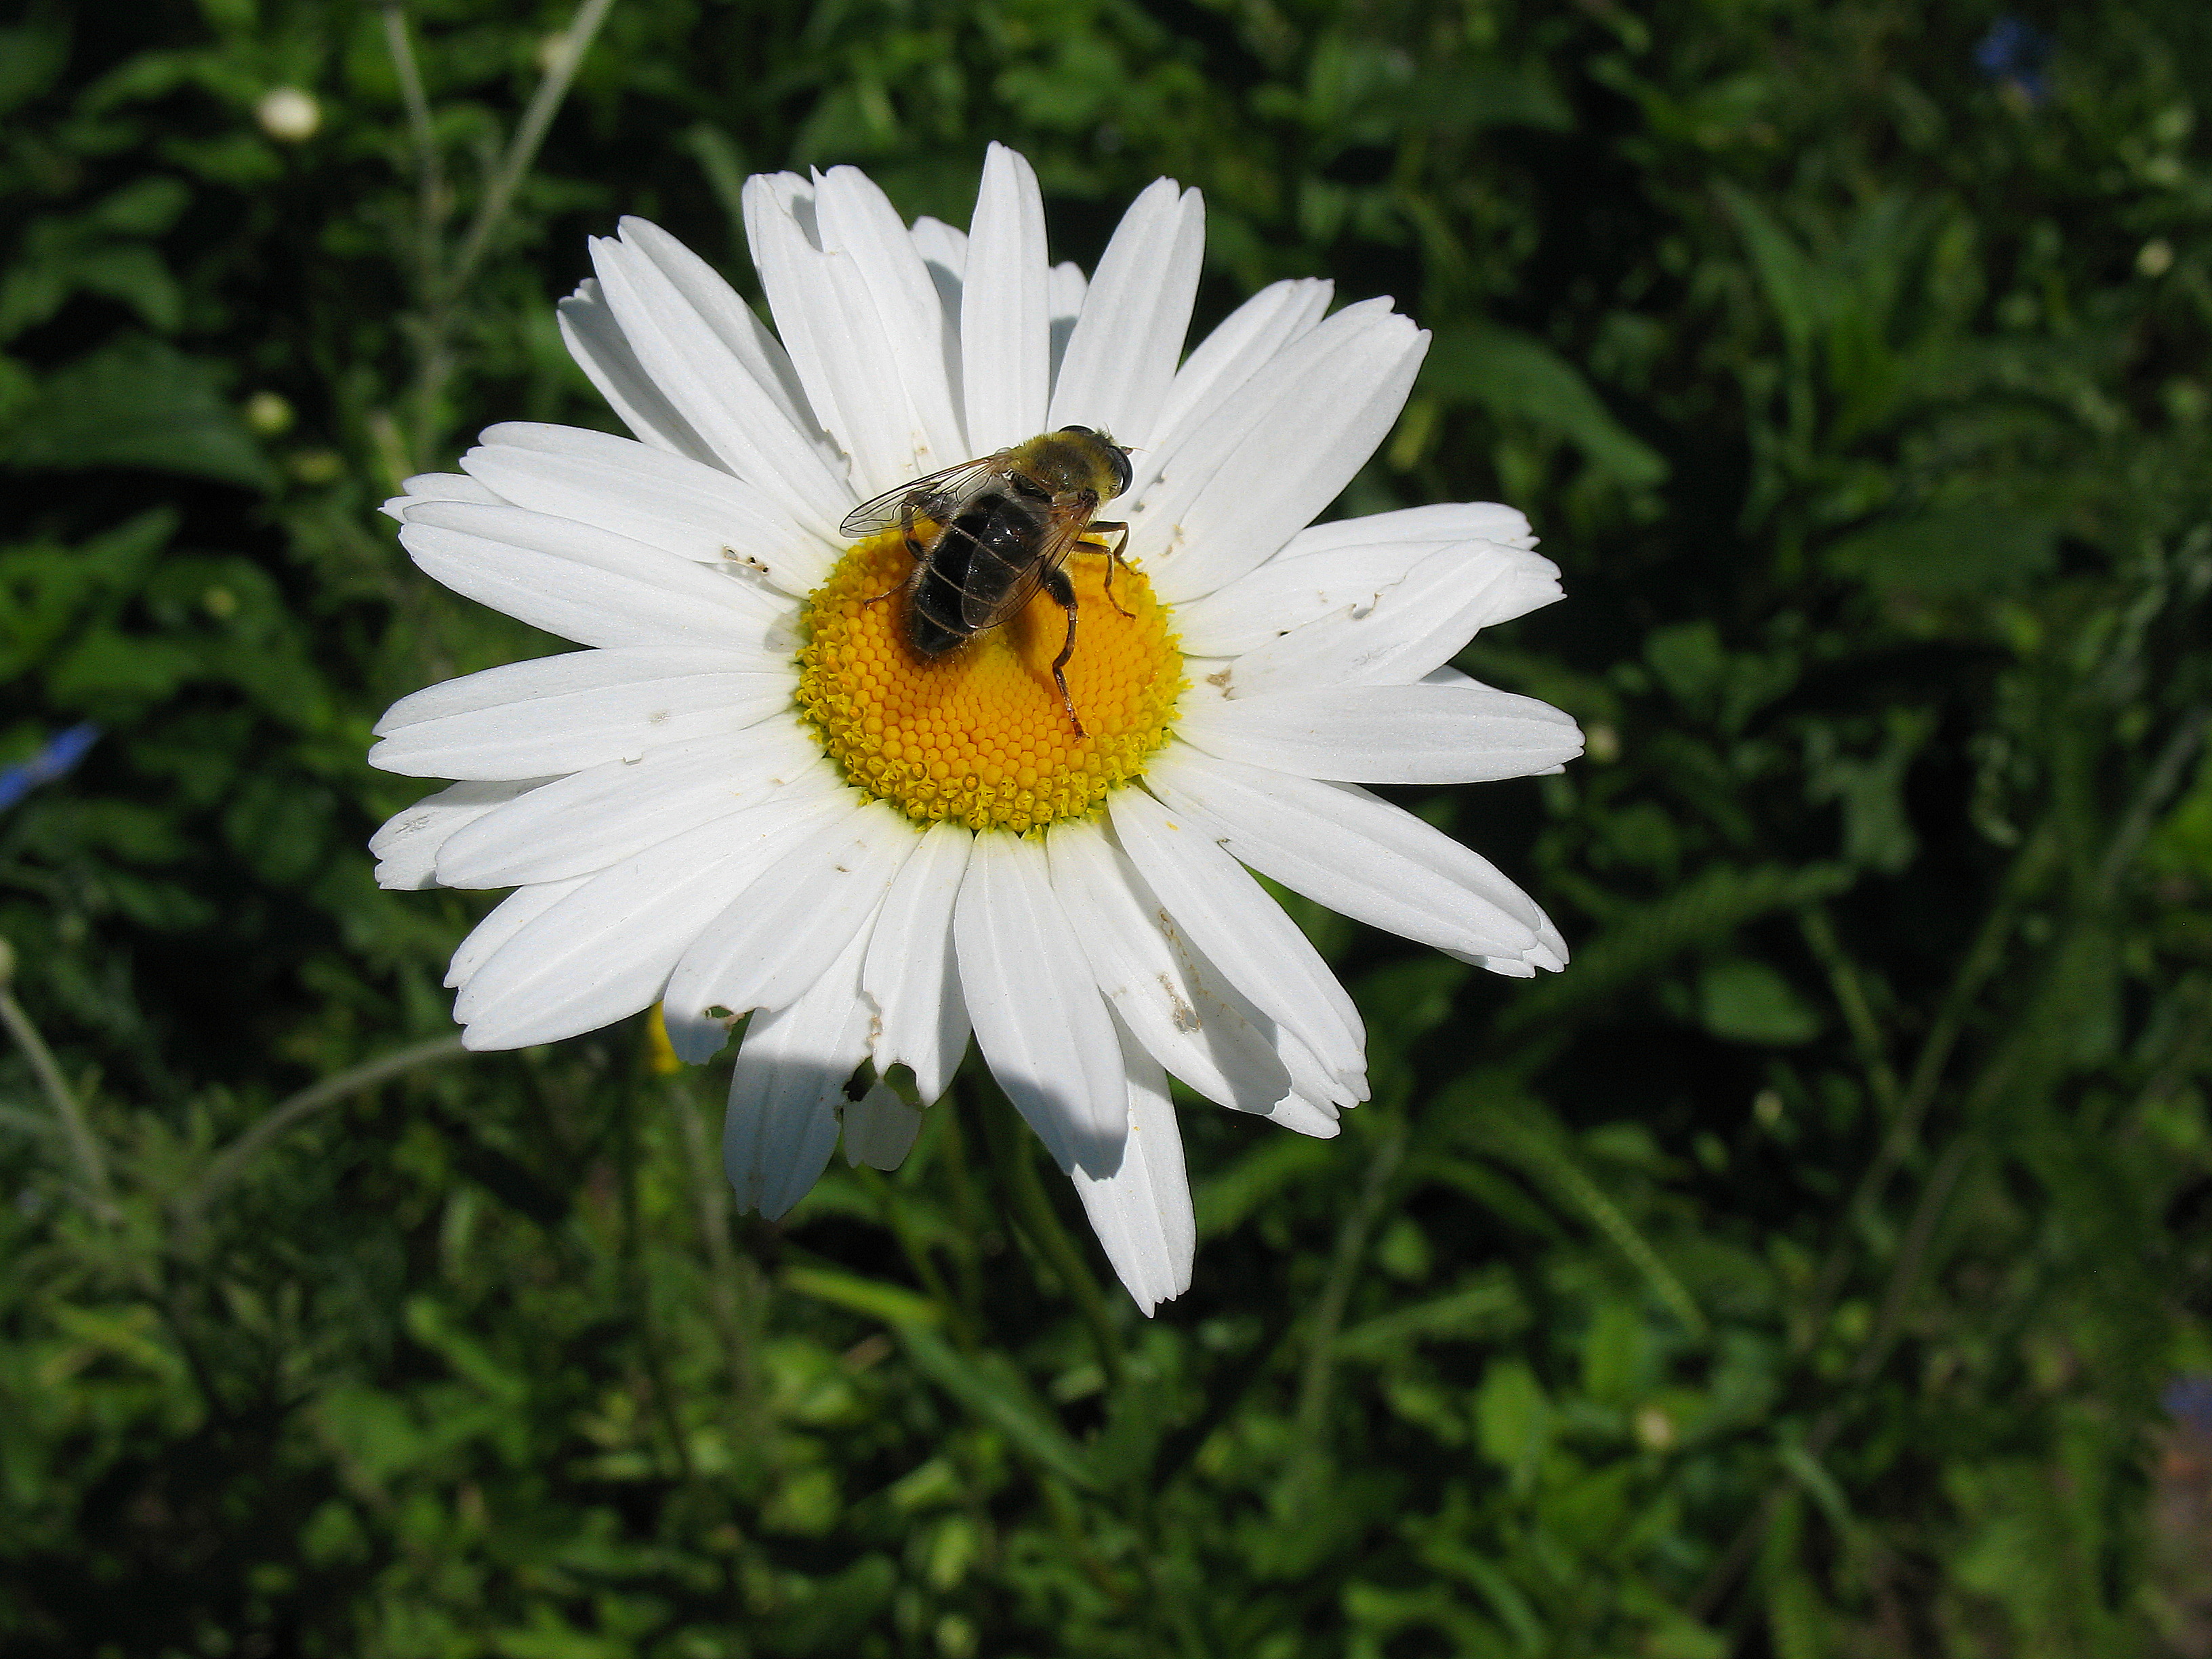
289,113
1655,1429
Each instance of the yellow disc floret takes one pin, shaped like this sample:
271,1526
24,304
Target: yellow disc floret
979,734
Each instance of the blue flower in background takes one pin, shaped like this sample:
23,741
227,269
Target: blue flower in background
2187,1399
2013,53
60,754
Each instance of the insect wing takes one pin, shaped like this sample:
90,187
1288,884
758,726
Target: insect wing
939,495
980,611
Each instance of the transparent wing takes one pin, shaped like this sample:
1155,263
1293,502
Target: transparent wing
938,496
981,611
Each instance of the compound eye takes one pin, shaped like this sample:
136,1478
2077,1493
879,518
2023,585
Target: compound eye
1121,472
1085,430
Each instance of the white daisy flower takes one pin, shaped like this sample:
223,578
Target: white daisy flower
752,793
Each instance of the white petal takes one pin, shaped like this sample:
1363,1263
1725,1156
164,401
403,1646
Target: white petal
1249,338
1305,425
530,720
782,934
1229,917
1064,294
596,341
1123,353
1314,1086
1333,355
1422,734
698,513
780,228
1166,993
816,328
1305,1117
555,676
408,845
742,422
723,310
1039,1018
1358,855
859,225
944,249
1285,594
1411,628
880,1128
437,486
1439,521
604,952
788,1086
619,808
1300,585
856,380
911,974
1005,324
944,254
504,921
588,585
1141,1212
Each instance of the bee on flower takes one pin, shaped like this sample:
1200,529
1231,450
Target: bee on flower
886,735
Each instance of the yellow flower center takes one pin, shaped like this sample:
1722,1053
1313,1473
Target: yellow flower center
979,733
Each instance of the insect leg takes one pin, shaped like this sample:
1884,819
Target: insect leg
914,551
1114,556
1057,584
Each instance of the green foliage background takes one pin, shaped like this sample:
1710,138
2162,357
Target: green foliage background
1795,1275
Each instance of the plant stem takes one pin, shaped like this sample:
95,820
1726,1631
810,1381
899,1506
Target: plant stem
442,287
1344,1269
1012,1151
537,120
2165,776
84,1146
967,1214
1850,997
1918,1233
637,1280
1982,959
431,200
230,1164
892,1208
729,1276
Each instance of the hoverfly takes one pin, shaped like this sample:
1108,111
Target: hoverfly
986,534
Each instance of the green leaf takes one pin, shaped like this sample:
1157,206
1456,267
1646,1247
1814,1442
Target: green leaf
1491,1306
1878,830
137,403
1796,288
1223,1201
1810,1474
989,1387
892,1303
1709,907
1745,1001
1616,1350
1512,1419
1469,95
107,666
1972,547
144,207
836,1611
1516,377
30,57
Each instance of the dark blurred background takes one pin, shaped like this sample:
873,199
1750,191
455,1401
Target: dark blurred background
1818,1267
